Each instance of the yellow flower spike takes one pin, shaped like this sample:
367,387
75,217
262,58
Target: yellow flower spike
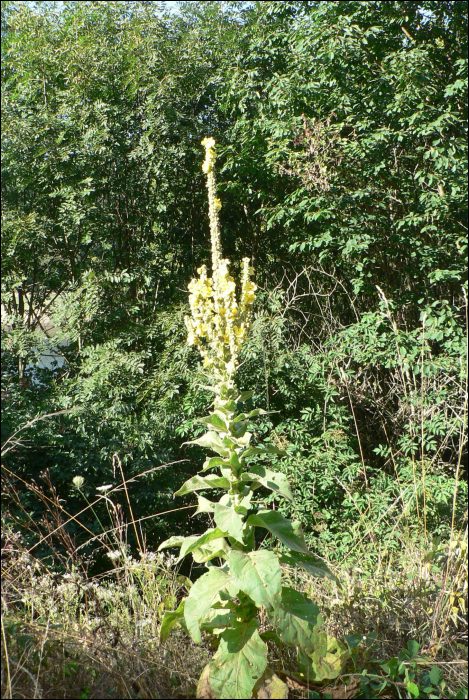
210,156
213,303
208,142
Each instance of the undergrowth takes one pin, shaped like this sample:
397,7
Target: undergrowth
67,633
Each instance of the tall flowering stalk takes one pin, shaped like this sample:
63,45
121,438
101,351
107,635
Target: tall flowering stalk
218,324
226,600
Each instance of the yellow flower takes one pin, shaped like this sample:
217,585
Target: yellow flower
209,162
241,331
208,142
219,321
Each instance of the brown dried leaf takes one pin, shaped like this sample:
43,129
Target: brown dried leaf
204,689
270,687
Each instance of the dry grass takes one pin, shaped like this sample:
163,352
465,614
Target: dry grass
69,635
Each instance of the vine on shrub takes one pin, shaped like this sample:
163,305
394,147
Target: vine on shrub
226,600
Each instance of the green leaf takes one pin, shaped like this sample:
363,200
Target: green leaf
229,521
435,675
217,619
217,422
214,389
244,396
234,461
239,417
299,605
238,428
259,412
326,661
203,594
264,450
413,648
353,640
204,420
211,550
211,440
257,574
205,506
275,481
413,689
244,504
240,661
192,542
233,442
461,694
295,618
215,462
309,563
227,407
197,483
169,620
291,534
175,541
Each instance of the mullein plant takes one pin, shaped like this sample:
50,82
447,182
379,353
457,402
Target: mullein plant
240,580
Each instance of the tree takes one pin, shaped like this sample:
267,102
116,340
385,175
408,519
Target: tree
342,132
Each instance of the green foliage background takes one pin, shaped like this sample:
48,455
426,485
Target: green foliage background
342,132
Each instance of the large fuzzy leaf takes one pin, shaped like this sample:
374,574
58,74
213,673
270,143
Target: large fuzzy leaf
218,422
170,619
238,428
234,461
217,619
193,542
214,389
208,419
210,550
259,412
228,407
275,481
309,563
211,440
197,483
296,619
233,442
205,506
175,541
257,574
270,686
291,534
215,462
240,661
229,521
327,660
202,595
263,450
